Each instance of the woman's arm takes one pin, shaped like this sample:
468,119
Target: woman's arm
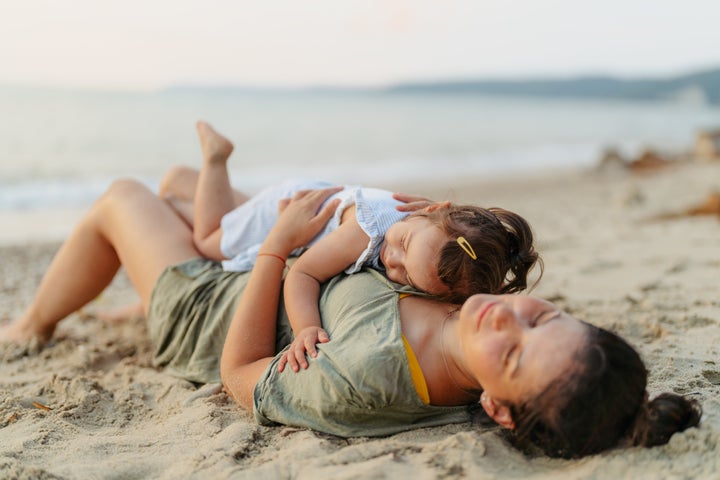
250,341
325,259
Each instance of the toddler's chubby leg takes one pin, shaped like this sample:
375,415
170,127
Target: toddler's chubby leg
216,149
214,196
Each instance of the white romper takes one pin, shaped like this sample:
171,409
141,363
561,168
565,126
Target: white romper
245,228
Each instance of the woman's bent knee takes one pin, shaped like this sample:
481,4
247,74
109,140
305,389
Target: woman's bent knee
124,187
123,191
177,178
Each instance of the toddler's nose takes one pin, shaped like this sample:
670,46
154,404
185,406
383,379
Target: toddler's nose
391,257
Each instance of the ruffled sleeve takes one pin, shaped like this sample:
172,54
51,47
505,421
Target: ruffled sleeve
376,212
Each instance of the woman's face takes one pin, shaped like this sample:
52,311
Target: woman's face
514,345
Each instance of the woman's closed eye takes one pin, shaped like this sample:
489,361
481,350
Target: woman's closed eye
512,357
544,317
511,353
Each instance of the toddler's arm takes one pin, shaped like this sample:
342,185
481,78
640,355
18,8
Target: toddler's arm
325,259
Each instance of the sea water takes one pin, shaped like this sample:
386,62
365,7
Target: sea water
61,148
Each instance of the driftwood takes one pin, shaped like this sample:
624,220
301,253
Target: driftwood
648,161
711,206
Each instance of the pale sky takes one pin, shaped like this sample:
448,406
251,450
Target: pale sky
146,44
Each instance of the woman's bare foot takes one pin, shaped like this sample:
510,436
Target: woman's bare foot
121,314
17,332
215,147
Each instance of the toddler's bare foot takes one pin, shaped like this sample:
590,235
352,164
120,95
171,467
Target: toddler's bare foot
215,147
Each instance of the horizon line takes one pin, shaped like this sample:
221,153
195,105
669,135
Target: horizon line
377,87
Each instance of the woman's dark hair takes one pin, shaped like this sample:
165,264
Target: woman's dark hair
502,242
602,404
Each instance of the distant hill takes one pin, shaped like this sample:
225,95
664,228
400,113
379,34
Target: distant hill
698,87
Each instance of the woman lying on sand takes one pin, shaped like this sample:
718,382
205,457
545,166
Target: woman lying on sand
396,360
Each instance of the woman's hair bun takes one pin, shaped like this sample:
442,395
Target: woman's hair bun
664,415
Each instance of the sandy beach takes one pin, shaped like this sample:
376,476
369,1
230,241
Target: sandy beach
90,405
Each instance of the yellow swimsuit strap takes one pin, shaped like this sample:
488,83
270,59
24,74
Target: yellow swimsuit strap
415,371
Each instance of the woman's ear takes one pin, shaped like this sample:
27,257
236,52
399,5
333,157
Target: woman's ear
497,411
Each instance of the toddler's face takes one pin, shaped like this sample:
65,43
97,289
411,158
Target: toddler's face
410,254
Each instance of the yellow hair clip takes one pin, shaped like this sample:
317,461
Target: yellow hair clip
465,245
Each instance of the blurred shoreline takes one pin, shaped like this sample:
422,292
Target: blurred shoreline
53,224
62,149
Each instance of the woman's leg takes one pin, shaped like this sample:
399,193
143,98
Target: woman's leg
129,226
178,187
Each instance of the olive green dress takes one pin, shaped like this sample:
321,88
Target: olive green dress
359,384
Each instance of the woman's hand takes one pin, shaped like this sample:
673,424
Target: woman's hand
412,203
301,218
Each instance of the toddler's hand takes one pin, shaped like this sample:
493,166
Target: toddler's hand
304,344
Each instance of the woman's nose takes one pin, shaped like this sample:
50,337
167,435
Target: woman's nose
503,318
